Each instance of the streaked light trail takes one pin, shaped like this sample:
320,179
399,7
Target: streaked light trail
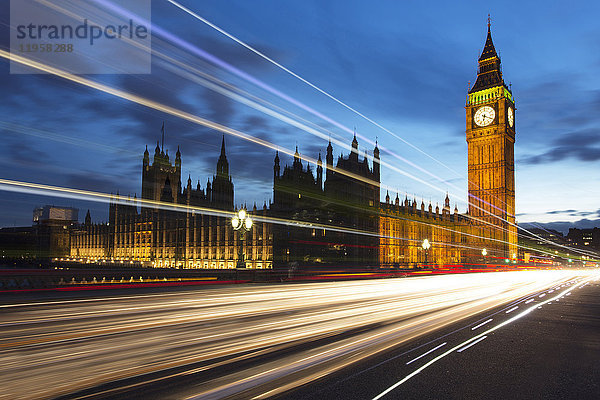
592,275
286,334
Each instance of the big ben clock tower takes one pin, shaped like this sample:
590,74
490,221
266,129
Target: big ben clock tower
490,117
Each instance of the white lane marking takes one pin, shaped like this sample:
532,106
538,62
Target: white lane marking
481,324
568,294
424,354
542,295
508,321
471,344
529,301
550,291
512,309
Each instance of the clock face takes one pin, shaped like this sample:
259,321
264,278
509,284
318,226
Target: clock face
511,117
484,116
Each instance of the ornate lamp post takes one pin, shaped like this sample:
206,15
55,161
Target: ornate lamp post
426,245
484,253
243,223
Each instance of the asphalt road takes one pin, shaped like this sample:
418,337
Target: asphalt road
325,340
541,350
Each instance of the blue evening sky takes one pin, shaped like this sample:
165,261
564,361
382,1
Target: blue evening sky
404,64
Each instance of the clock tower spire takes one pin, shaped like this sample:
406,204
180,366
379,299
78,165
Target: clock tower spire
490,132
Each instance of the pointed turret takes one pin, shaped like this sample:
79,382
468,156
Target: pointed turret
376,163
297,162
489,50
146,157
276,166
329,161
178,158
88,219
320,172
208,190
489,73
222,163
354,152
387,197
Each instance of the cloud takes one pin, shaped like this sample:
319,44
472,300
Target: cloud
24,154
582,146
569,213
220,108
253,123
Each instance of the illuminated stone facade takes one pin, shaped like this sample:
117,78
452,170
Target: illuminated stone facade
159,237
403,226
490,132
333,217
490,221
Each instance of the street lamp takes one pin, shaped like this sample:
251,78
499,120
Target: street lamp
426,245
243,223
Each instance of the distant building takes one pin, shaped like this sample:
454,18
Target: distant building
18,242
584,237
48,237
543,236
53,226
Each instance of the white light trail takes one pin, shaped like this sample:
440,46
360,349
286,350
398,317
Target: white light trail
210,124
264,56
169,110
482,324
424,354
345,105
471,344
56,348
477,337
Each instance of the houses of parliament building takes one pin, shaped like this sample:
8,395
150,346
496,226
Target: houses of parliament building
331,216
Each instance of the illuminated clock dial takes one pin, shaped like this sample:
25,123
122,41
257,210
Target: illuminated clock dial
511,117
484,116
